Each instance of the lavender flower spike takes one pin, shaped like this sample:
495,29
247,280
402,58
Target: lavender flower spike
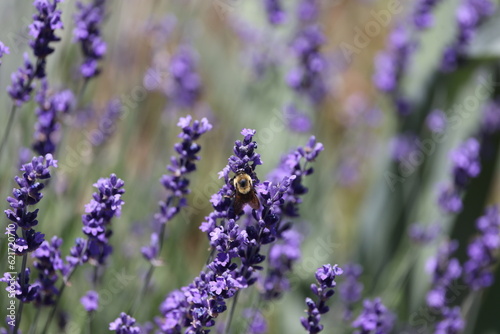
26,195
45,22
325,276
124,324
88,20
22,85
90,301
185,87
177,183
275,13
49,110
477,270
375,318
105,204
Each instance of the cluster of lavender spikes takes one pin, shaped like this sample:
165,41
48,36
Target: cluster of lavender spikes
177,182
49,110
196,306
88,20
324,290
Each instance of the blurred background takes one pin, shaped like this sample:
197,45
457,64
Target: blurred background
362,197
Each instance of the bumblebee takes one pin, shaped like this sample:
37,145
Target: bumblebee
244,193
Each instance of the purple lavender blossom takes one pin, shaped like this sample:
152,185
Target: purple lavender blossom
104,205
422,234
26,292
48,263
466,162
177,183
469,15
478,268
107,123
390,63
452,322
22,83
3,51
87,32
324,290
308,10
185,87
436,121
275,12
49,110
26,195
490,121
375,318
351,288
402,146
124,324
196,306
308,77
257,323
297,120
449,199
444,270
423,17
282,256
45,22
90,301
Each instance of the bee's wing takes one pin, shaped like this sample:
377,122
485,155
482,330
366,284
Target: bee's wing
254,201
238,204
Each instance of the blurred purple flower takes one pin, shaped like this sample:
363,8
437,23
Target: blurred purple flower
308,77
308,10
402,146
107,123
469,15
297,121
48,111
87,32
375,318
436,121
3,51
444,270
449,199
184,88
478,272
490,121
90,301
350,290
22,82
452,322
124,324
256,321
422,234
423,17
324,290
391,63
466,162
275,12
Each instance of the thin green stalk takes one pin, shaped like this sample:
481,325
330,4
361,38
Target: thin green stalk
231,313
35,322
7,128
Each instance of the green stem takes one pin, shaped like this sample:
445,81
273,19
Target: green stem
35,322
231,313
7,128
